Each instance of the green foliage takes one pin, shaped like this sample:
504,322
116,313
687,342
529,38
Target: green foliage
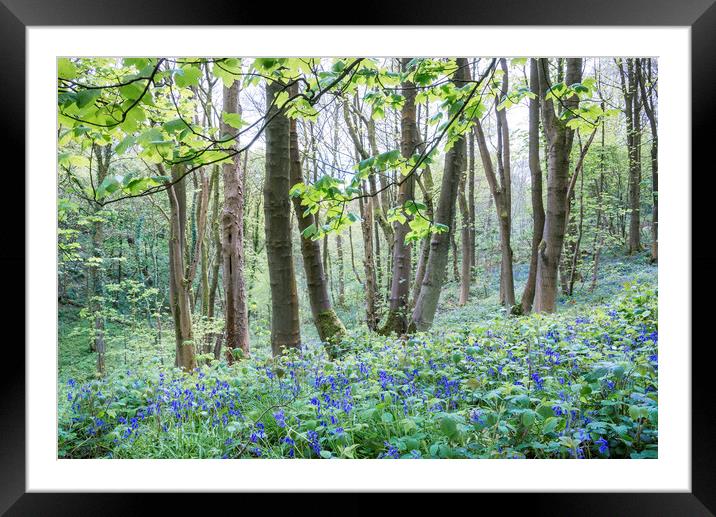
579,384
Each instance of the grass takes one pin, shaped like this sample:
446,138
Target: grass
580,383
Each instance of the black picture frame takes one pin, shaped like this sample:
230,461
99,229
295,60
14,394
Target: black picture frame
700,15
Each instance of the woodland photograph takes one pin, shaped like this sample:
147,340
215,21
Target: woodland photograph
357,257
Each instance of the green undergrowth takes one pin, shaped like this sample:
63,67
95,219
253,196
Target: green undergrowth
581,383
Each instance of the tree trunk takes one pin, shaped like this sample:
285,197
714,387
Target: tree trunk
425,182
501,197
471,201
465,244
95,277
232,245
371,310
329,326
536,189
397,320
205,287
559,139
435,269
216,238
648,98
179,286
341,271
285,324
633,117
580,226
371,214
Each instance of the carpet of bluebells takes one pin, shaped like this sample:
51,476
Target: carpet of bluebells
578,384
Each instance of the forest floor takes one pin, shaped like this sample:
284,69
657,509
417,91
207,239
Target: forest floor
581,383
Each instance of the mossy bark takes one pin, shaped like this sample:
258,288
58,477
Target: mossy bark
331,331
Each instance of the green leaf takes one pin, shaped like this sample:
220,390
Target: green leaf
440,228
125,144
297,190
175,125
66,69
309,231
550,424
528,418
187,75
448,426
233,119
84,97
109,185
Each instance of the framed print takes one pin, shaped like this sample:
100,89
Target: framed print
285,254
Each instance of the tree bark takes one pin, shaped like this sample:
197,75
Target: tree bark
633,117
367,225
95,277
536,188
285,324
501,194
216,238
648,98
397,319
179,284
471,201
435,270
426,186
232,245
329,326
465,243
559,140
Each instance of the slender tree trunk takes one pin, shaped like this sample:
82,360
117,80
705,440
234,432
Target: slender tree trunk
425,182
95,277
285,324
633,117
435,269
205,287
216,238
559,138
580,226
648,98
536,176
341,271
371,215
371,310
505,215
329,326
179,284
507,291
471,201
453,246
465,244
397,320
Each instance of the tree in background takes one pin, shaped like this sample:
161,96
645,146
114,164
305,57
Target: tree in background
536,187
632,111
646,77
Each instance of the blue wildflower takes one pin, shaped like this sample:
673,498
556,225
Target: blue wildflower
313,441
280,418
392,452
